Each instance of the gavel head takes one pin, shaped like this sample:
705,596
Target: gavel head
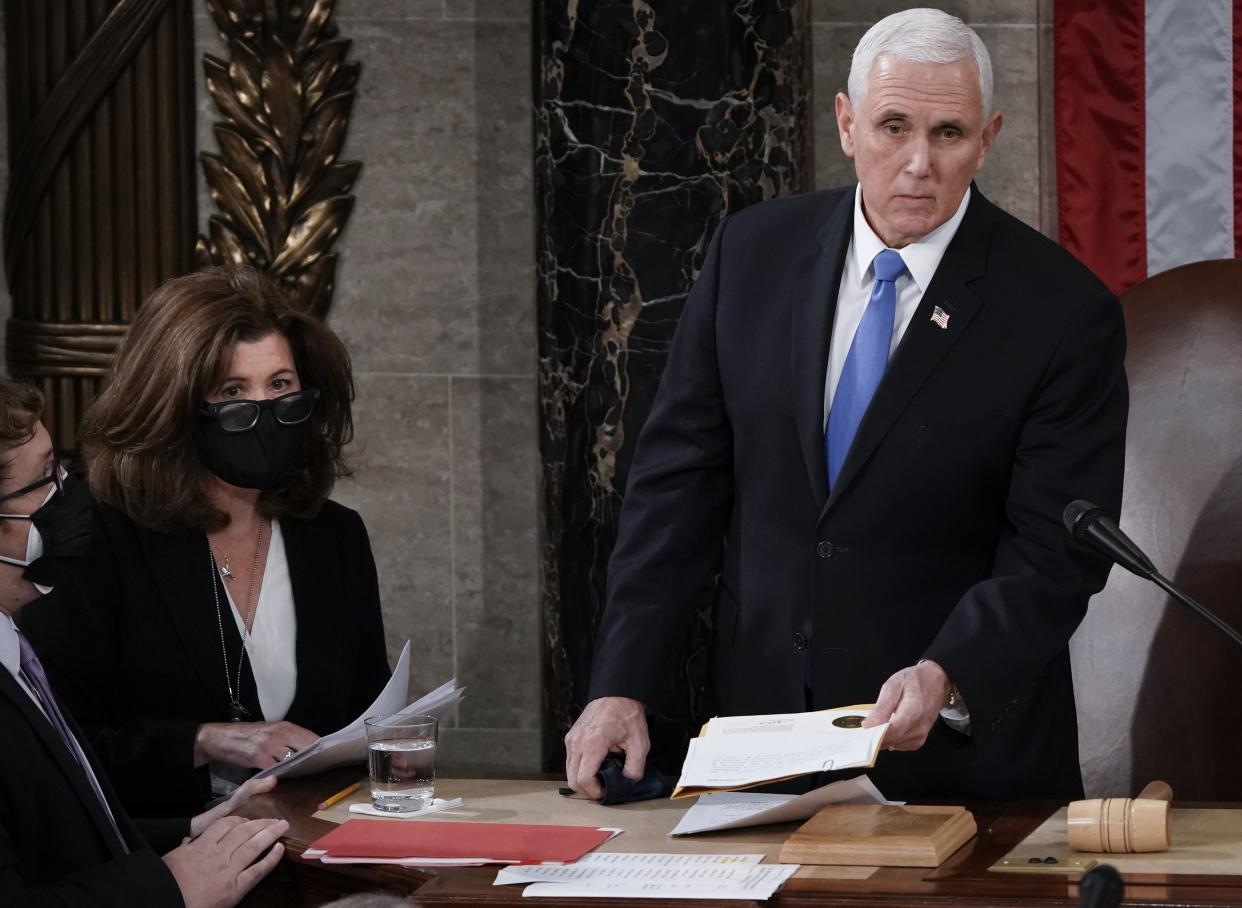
1118,825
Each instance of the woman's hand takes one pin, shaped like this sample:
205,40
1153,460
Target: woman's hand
248,789
255,745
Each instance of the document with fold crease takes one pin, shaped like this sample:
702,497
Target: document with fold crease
349,744
733,753
735,810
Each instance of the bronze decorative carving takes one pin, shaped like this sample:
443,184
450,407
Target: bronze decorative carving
285,94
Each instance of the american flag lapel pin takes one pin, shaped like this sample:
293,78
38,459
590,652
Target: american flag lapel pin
940,319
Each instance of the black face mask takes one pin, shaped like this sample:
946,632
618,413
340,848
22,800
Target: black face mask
265,456
65,523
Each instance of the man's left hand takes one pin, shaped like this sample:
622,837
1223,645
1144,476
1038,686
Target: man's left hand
245,792
910,701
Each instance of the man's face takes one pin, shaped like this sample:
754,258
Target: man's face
917,138
28,462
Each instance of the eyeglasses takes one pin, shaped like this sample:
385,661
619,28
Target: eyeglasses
240,415
57,476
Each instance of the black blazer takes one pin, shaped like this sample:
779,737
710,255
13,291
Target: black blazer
942,538
56,845
134,647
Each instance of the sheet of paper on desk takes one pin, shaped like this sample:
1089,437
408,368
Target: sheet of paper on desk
349,744
668,876
735,810
604,865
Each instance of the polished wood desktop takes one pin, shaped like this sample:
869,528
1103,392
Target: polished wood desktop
964,880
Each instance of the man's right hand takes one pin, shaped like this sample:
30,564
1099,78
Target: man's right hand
607,724
218,868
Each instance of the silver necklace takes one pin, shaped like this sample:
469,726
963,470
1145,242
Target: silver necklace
237,712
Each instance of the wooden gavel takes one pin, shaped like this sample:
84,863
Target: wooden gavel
1122,825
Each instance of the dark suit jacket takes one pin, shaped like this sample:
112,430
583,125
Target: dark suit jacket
942,538
56,845
135,647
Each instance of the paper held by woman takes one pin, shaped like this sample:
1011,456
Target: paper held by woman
349,745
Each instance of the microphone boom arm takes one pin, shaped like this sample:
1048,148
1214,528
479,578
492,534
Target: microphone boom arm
1092,525
1202,610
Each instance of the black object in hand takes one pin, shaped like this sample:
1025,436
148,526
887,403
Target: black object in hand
620,790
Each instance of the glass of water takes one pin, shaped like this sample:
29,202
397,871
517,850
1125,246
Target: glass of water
401,756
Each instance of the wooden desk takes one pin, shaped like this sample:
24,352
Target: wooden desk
964,880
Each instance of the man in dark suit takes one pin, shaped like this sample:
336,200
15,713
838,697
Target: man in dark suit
877,404
64,838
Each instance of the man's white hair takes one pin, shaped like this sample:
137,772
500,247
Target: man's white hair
920,35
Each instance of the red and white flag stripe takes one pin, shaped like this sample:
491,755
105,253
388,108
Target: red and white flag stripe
1148,108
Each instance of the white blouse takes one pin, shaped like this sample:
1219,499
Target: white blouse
271,648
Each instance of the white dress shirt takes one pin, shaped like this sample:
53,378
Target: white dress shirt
922,258
271,648
11,658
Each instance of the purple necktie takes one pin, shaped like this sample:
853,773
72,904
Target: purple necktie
32,668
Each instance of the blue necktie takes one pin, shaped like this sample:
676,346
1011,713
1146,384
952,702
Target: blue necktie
865,363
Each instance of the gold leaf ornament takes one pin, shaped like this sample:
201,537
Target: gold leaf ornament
285,95
313,233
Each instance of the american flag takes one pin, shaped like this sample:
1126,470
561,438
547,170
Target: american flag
940,318
1148,133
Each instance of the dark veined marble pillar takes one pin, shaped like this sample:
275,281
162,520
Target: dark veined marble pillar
653,120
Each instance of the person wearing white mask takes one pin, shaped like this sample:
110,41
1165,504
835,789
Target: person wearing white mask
44,542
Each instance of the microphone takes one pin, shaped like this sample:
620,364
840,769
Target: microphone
1092,525
1100,887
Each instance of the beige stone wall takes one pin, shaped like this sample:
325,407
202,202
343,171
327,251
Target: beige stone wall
435,300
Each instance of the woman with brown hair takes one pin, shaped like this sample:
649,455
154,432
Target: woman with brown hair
228,613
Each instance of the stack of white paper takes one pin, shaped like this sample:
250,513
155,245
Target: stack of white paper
744,751
349,745
655,876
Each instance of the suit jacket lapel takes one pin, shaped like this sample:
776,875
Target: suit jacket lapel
817,276
924,343
61,756
181,569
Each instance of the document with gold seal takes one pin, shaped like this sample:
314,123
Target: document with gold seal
733,753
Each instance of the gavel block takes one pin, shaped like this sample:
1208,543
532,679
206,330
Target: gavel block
1122,825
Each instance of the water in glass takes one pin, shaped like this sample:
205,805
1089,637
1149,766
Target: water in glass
403,773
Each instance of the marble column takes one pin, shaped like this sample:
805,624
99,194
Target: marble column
653,120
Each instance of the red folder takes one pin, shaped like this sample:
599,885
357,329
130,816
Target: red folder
507,843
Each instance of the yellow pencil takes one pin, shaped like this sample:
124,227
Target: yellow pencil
343,793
